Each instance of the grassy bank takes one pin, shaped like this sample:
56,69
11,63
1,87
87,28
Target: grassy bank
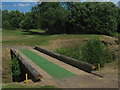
17,37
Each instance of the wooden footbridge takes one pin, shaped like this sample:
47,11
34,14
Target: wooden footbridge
40,63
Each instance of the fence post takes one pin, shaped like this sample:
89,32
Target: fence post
98,67
26,78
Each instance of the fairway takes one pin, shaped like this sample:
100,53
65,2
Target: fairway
52,69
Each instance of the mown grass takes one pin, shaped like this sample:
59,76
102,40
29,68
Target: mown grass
17,37
12,32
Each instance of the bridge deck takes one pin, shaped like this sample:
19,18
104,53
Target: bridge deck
81,79
53,69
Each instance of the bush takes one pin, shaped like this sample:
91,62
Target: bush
15,69
6,25
95,52
74,52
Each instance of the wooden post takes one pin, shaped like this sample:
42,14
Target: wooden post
26,78
98,67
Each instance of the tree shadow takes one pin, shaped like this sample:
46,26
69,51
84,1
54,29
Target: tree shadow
35,33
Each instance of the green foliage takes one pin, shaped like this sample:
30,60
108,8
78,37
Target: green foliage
93,17
11,19
25,38
26,23
15,18
15,67
118,21
95,52
51,17
70,17
5,15
74,17
74,52
6,25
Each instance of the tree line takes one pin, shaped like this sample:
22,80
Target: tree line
66,17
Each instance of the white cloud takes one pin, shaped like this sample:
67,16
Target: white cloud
18,0
22,5
106,0
28,0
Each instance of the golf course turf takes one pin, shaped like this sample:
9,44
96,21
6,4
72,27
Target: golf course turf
52,69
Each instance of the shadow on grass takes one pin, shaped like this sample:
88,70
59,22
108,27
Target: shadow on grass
8,41
35,33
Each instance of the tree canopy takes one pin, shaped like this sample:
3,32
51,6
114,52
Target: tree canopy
67,17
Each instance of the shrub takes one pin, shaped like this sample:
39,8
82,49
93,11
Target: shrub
6,25
95,52
15,69
74,52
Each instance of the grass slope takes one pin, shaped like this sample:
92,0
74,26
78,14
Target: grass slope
17,37
54,70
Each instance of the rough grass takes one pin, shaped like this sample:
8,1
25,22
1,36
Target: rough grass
12,37
74,52
6,69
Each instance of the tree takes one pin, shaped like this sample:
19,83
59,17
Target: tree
95,17
5,19
6,25
0,18
15,18
26,23
118,21
5,15
12,18
95,52
108,24
51,17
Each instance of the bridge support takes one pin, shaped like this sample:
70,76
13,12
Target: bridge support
32,72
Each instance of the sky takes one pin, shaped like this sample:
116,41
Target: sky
26,5
21,6
50,0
